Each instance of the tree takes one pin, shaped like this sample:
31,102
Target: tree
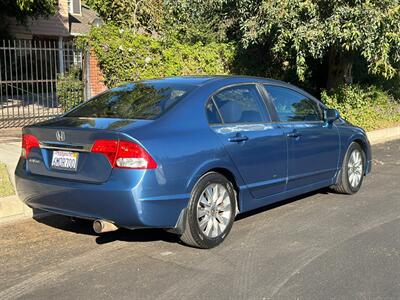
337,31
321,43
194,21
144,15
22,9
209,20
187,20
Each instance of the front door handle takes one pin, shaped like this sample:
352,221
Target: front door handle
238,139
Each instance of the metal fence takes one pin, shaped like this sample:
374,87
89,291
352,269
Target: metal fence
39,79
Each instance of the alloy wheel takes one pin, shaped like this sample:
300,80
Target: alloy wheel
214,210
355,168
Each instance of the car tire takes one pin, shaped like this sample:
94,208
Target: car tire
351,175
210,213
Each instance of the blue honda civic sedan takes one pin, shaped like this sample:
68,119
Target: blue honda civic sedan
188,154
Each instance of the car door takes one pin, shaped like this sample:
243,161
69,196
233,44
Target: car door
313,144
257,147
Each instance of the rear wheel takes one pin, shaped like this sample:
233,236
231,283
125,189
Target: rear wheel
211,212
352,172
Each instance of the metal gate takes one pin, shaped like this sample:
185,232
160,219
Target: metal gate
39,79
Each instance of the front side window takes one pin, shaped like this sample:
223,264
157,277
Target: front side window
133,101
292,106
240,104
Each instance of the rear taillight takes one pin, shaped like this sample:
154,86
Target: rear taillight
124,154
29,141
107,147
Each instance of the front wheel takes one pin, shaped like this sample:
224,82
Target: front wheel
210,213
352,172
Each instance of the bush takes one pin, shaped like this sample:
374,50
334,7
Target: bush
124,55
70,88
368,107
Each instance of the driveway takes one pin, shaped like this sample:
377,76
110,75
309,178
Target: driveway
318,246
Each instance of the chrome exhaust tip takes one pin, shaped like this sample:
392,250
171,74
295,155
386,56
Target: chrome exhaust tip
101,226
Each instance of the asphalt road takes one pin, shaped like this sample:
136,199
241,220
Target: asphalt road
318,246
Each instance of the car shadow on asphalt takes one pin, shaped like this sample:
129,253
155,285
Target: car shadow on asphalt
80,226
85,227
282,203
137,235
65,223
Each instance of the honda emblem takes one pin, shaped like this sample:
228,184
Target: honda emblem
60,136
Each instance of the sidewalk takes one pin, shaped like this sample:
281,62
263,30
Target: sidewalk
383,135
10,149
10,207
10,152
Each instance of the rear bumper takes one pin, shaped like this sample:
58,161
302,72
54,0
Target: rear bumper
108,201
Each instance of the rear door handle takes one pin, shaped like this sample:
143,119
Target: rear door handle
238,139
293,134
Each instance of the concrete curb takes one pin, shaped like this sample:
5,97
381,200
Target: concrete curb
383,135
12,209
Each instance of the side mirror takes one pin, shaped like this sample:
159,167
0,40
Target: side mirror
331,115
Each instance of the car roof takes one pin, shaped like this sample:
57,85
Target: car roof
204,80
201,80
189,80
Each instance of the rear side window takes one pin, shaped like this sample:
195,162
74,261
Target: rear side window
292,106
134,101
240,104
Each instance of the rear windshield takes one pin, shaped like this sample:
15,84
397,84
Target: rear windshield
134,101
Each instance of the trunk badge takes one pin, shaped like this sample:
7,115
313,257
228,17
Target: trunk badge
60,136
34,161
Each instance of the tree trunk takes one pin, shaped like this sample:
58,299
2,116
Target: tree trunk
339,69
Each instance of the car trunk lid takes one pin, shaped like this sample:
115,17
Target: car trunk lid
66,143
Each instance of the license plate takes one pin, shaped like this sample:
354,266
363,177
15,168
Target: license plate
65,160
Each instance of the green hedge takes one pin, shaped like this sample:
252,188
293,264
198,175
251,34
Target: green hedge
127,56
367,107
70,89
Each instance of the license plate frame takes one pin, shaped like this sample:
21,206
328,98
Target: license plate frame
65,160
